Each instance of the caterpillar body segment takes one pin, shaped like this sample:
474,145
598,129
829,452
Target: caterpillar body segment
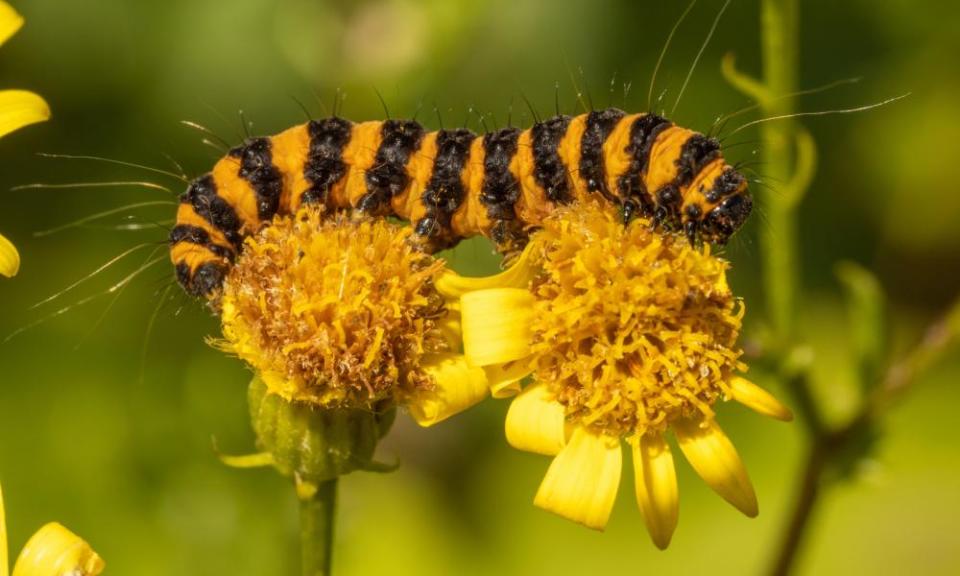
453,184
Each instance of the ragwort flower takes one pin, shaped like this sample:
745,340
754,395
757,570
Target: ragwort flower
51,551
18,108
343,313
629,334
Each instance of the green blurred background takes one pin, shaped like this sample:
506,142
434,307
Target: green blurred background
111,434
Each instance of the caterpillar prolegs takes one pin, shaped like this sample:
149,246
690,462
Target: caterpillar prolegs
454,184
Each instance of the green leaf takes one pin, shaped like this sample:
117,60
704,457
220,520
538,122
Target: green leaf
750,86
866,305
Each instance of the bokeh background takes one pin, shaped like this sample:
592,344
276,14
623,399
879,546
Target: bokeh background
111,432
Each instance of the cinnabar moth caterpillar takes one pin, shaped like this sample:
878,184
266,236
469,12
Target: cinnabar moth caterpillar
453,184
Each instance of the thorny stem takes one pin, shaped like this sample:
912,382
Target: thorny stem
317,514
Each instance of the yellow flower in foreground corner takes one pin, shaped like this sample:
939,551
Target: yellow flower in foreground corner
18,108
340,313
52,551
9,258
629,334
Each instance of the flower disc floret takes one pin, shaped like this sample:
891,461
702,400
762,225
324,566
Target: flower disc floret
334,311
632,328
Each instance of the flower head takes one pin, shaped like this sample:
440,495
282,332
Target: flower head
631,329
628,334
341,320
343,313
334,312
18,108
51,551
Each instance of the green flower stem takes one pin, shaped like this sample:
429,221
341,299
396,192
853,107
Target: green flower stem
833,446
781,274
789,156
318,504
779,245
806,499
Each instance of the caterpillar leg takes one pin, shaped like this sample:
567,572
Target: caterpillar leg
432,234
510,238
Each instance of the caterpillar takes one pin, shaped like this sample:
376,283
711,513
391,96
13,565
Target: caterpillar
453,184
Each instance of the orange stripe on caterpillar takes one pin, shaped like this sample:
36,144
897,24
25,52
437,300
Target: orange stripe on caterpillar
237,192
452,184
291,149
570,151
533,205
360,156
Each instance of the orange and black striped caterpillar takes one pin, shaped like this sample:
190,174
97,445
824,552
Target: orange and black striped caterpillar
453,184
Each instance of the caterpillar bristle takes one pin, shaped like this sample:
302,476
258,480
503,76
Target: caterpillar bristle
663,52
100,269
151,323
208,133
99,215
453,183
696,59
853,110
111,184
148,262
83,301
116,162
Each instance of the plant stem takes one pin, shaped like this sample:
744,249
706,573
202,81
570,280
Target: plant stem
317,512
938,339
806,500
789,156
779,245
779,22
829,445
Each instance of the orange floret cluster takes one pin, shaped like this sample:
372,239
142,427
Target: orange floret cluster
632,328
334,311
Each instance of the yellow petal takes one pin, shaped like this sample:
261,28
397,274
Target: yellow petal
656,486
4,560
504,379
458,387
19,108
583,478
535,422
715,459
758,399
10,21
450,330
9,258
496,325
56,551
518,275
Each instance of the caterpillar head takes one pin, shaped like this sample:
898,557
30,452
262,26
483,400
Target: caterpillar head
204,281
732,205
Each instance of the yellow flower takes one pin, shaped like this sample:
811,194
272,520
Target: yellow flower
52,551
628,334
18,108
343,313
9,258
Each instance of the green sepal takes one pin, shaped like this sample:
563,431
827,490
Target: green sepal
315,444
385,419
866,304
378,467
